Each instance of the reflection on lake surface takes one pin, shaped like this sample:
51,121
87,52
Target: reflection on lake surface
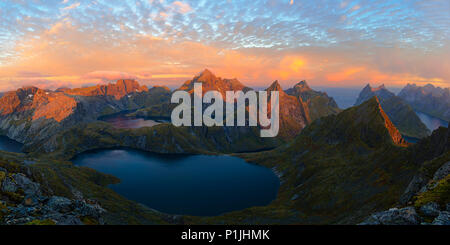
7,144
190,184
431,122
122,121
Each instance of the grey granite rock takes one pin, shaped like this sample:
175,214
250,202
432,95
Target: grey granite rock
430,209
442,219
394,216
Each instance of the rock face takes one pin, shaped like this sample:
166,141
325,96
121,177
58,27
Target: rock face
428,99
400,113
293,112
319,104
31,115
49,105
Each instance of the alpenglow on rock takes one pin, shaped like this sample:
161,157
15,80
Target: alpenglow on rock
31,115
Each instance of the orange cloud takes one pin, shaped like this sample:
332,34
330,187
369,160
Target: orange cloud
290,67
67,56
346,74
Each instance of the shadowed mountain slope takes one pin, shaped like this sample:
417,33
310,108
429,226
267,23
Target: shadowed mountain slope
428,99
400,113
319,103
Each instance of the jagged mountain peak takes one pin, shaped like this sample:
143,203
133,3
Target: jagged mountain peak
206,76
117,90
212,82
368,92
381,87
275,86
303,86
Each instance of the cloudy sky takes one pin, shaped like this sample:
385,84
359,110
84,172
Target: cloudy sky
72,43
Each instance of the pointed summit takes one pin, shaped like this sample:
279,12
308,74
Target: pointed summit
293,114
318,104
302,86
211,82
368,92
206,75
275,86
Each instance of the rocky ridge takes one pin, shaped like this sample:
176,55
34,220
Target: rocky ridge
400,113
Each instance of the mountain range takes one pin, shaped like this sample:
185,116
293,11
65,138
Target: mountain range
428,99
31,114
335,166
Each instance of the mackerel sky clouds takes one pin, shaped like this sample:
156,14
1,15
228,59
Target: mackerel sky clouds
329,43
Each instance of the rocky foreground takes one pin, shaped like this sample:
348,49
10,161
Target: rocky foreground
432,204
23,202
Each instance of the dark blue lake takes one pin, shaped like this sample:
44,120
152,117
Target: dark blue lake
190,184
7,144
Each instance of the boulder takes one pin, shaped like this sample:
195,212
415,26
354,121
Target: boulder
430,209
9,185
394,216
68,220
29,187
30,201
60,204
442,172
86,209
442,219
